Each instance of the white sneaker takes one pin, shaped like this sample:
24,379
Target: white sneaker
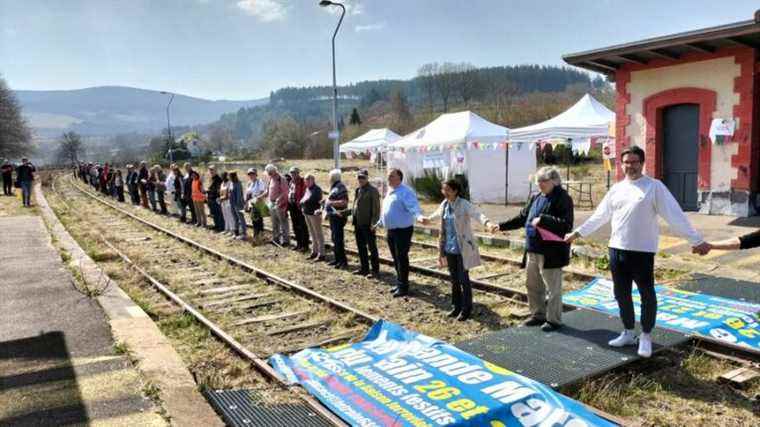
627,337
645,345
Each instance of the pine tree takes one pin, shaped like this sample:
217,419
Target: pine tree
355,119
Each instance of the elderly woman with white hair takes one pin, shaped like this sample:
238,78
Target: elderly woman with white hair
547,217
336,207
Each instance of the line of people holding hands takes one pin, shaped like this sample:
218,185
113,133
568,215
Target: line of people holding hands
631,206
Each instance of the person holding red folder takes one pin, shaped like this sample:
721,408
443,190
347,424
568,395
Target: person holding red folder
547,217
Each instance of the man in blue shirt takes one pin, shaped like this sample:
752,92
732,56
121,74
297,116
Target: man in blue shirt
400,210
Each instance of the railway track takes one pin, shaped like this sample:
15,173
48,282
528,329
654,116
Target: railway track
255,313
501,276
422,257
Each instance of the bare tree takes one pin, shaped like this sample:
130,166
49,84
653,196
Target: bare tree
467,82
444,83
500,91
70,148
426,76
402,120
14,132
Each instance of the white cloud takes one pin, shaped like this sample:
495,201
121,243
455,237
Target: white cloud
354,7
264,10
369,27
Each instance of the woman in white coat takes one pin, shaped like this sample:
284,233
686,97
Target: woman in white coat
457,246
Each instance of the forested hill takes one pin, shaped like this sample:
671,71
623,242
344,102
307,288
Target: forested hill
508,95
457,79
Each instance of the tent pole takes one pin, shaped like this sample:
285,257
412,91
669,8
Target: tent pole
569,153
506,177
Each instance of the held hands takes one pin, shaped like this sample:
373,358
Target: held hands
442,261
570,238
702,248
424,220
493,228
536,221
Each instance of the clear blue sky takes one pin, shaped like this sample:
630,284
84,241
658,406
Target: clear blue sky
242,49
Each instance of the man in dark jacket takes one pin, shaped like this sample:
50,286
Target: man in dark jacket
142,183
7,171
212,199
547,214
187,193
132,182
25,176
366,213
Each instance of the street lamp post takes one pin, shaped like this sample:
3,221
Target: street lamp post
169,125
336,139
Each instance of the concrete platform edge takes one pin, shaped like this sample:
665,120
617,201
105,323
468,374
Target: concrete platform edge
157,360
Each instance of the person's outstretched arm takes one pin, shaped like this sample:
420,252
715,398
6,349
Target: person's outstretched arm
747,241
667,207
601,216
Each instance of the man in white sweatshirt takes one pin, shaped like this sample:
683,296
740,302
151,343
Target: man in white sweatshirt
632,206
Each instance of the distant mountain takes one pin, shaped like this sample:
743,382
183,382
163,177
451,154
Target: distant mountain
111,110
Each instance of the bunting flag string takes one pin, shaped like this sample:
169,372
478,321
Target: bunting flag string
470,145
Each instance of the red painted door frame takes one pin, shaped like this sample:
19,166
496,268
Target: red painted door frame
653,107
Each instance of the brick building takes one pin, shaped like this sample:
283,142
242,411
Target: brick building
670,89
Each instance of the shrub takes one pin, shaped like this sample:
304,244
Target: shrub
429,186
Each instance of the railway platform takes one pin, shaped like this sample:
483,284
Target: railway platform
57,359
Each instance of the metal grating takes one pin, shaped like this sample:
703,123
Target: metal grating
249,408
579,350
723,287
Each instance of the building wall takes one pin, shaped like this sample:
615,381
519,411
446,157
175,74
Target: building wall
717,75
730,75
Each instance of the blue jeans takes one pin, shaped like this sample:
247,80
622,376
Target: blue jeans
239,218
26,192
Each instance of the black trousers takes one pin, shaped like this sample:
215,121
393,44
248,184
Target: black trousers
399,241
134,195
461,289
120,193
628,267
299,226
162,202
338,238
216,213
365,239
7,185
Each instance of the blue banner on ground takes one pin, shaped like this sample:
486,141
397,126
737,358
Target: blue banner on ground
731,321
395,377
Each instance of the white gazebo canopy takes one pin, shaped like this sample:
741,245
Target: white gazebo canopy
454,128
465,143
588,118
375,140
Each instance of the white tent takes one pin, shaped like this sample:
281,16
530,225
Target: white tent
465,143
373,141
588,118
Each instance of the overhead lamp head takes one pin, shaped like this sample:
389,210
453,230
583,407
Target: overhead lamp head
324,3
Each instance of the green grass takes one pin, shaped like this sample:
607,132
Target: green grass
120,347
